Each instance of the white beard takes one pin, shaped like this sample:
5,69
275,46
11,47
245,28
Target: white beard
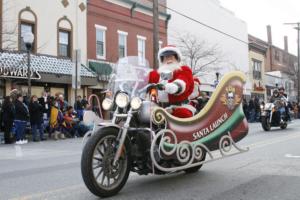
169,67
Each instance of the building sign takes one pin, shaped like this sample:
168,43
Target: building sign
18,72
258,87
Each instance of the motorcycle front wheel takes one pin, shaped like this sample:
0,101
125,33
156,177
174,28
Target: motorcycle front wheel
265,123
284,125
99,174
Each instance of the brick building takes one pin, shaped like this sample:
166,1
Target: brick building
278,59
257,60
118,28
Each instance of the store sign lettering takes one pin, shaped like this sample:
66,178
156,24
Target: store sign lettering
8,72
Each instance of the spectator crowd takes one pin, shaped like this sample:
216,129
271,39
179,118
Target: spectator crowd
21,116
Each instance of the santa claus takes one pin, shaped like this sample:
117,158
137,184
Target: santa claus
177,81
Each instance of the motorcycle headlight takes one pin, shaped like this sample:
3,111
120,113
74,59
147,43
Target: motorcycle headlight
107,104
122,100
136,103
262,107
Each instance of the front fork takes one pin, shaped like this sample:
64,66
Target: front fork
271,115
122,136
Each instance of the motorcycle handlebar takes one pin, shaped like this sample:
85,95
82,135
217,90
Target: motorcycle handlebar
147,88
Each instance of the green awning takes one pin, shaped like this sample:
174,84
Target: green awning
101,68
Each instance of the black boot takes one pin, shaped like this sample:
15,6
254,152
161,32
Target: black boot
7,137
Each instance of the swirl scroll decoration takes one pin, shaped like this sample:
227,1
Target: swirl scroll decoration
159,116
188,154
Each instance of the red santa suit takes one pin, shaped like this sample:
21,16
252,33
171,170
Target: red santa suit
193,98
177,89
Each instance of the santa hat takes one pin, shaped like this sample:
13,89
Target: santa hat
169,50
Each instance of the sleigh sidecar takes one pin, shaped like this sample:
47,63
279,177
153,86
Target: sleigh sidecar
144,138
218,126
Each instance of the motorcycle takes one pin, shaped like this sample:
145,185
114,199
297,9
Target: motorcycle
271,116
145,138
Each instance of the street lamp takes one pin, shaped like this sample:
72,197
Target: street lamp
217,75
216,82
28,39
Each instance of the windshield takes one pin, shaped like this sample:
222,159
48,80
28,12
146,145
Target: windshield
130,75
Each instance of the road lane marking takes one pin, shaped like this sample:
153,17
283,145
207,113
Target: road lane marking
291,156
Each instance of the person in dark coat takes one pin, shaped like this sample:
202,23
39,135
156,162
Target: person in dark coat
21,118
84,102
245,108
257,109
36,118
251,109
46,104
79,108
7,118
287,105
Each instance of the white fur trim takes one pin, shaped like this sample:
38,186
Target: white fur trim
196,92
163,96
169,48
169,67
190,108
182,85
171,88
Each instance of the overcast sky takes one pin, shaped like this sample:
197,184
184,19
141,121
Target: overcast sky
259,13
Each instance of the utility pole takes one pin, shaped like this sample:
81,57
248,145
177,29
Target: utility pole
297,27
298,44
155,33
76,75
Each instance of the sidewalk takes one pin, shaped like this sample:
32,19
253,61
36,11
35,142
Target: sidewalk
39,150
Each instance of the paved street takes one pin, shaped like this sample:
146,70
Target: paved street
51,170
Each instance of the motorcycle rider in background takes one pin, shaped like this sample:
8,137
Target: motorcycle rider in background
280,101
284,96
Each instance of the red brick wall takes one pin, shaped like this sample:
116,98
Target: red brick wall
116,18
283,64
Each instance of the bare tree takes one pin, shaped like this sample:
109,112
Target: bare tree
197,53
